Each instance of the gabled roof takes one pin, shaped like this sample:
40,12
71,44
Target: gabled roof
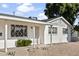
54,19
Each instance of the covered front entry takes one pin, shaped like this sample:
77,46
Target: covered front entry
37,39
3,35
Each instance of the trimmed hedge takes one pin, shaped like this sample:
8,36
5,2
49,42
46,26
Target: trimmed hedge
23,42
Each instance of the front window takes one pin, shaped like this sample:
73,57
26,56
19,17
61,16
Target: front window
53,30
65,30
18,30
49,30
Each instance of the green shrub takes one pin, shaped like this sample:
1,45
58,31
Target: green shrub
23,42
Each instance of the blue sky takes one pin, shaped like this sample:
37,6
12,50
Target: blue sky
24,9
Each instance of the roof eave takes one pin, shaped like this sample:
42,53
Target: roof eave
20,19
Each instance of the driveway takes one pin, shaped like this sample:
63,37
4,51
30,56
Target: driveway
59,49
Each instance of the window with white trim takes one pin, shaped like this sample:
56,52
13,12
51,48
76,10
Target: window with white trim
65,30
54,30
18,30
49,30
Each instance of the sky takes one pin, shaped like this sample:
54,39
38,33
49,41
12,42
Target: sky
24,9
76,21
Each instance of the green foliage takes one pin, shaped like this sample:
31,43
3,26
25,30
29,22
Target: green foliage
67,10
23,42
76,28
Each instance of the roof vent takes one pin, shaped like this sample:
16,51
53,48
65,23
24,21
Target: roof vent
35,18
14,13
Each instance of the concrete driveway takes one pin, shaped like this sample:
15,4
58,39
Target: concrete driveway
59,49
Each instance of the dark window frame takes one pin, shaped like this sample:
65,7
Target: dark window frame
54,30
0,33
65,31
18,31
49,30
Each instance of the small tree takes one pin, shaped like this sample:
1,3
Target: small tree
76,28
67,10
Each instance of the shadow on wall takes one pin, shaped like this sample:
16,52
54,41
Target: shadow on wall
74,39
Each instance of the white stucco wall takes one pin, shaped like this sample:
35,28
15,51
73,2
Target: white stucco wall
75,34
46,36
59,37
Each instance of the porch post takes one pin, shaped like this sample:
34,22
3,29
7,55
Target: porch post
5,40
51,35
34,36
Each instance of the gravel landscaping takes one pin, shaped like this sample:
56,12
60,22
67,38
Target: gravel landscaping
59,49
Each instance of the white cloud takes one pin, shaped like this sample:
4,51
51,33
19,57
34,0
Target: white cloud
76,21
27,4
25,7
41,16
4,5
19,13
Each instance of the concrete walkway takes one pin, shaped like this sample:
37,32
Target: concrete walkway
3,54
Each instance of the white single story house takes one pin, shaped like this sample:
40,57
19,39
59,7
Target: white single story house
12,28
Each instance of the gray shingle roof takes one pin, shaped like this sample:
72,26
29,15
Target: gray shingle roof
17,16
45,20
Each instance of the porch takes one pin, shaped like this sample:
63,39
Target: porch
35,33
